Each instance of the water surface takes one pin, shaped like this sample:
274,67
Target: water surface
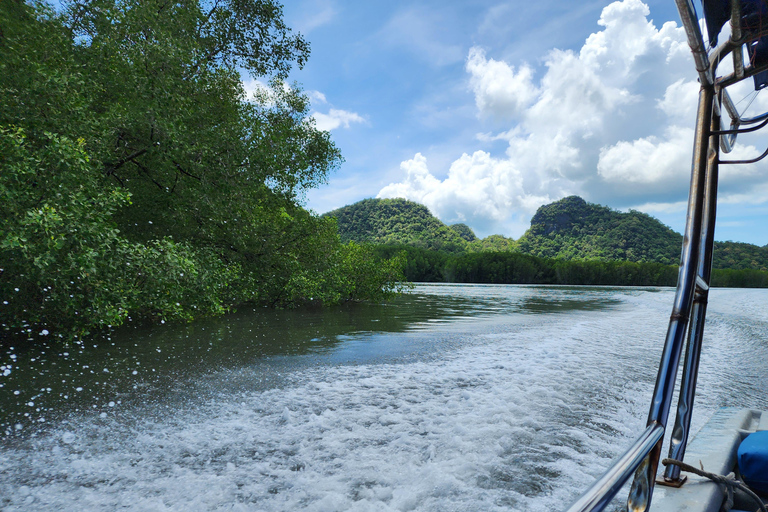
454,397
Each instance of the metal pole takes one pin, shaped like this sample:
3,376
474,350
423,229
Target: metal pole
642,487
606,487
681,430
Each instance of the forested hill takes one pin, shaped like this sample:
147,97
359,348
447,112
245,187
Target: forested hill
398,221
571,229
403,222
568,229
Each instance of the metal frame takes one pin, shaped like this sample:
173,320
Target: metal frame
690,305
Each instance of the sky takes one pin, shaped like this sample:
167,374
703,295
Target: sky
485,110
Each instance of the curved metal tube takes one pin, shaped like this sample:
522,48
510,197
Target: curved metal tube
750,161
742,130
606,487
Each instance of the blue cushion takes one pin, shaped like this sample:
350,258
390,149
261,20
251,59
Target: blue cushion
753,461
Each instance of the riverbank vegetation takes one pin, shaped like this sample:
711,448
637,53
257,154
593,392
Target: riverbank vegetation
423,265
140,181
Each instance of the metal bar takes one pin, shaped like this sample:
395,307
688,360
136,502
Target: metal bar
606,487
691,24
642,487
726,143
681,430
748,161
732,131
738,56
752,120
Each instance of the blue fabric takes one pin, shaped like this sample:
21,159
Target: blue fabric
758,55
754,16
753,461
716,13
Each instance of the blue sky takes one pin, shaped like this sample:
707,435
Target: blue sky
486,110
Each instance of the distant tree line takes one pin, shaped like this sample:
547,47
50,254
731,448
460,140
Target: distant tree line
423,265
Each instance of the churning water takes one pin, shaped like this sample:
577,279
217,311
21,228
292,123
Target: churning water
454,397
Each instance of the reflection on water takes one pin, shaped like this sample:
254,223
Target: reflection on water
454,397
42,382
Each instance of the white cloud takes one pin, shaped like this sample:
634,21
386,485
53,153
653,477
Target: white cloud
663,161
499,91
479,189
336,118
317,97
680,101
612,122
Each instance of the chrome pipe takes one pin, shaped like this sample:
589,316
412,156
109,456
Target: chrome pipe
726,143
738,55
606,487
753,120
681,430
642,487
695,40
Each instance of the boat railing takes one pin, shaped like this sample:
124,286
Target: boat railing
686,324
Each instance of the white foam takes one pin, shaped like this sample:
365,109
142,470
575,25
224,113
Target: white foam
522,418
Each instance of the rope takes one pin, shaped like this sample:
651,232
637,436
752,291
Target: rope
727,483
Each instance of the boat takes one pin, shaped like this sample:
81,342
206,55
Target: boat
733,441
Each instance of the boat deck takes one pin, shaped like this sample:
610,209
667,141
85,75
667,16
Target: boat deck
714,448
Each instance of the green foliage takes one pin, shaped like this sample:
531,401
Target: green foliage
572,229
740,278
624,273
740,256
65,264
464,232
493,243
395,221
516,268
572,242
400,222
499,267
420,265
137,178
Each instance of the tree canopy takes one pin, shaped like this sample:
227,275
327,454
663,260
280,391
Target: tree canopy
139,179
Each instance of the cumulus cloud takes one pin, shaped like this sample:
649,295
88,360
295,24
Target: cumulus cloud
499,91
317,97
336,118
479,189
649,160
612,122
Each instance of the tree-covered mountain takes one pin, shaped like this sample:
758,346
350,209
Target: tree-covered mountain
568,229
403,222
573,229
464,232
396,221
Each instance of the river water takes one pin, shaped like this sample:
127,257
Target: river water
453,397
